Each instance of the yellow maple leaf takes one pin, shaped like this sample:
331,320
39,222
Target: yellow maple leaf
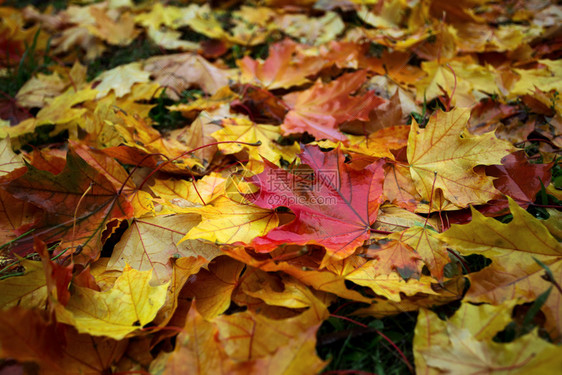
28,290
190,193
543,79
474,37
424,242
462,79
464,345
391,285
443,155
248,335
149,244
214,287
129,305
223,96
119,31
60,111
171,39
169,16
243,130
120,79
39,89
313,31
197,350
512,248
8,159
228,221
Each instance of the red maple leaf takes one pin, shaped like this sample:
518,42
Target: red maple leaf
323,107
334,204
78,203
520,179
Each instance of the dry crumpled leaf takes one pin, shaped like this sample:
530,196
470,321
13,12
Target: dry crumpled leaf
181,71
118,30
39,89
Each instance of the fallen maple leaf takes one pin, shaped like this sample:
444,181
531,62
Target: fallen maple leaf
60,110
396,256
443,156
464,343
150,242
264,286
282,69
16,216
518,178
120,79
259,104
213,288
119,31
320,109
263,248
543,79
129,305
513,248
184,193
78,203
245,131
27,291
324,280
198,350
8,159
334,204
181,71
312,31
389,285
229,221
247,335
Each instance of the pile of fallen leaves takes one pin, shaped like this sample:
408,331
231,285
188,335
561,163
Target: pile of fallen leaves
393,156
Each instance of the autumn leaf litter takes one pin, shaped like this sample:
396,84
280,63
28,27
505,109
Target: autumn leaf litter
218,198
